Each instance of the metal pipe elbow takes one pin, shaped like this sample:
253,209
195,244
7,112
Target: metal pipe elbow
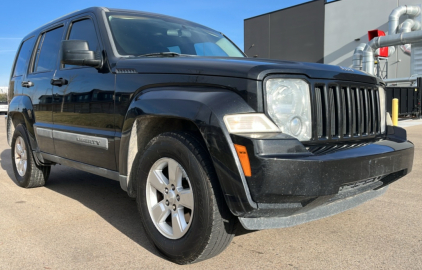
393,19
357,56
408,26
372,45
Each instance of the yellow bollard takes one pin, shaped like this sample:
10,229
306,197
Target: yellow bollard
395,112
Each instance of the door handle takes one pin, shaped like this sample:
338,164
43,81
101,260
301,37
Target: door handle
58,82
27,84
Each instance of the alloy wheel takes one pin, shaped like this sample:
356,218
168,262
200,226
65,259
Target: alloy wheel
21,158
169,197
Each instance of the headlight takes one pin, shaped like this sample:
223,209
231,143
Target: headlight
382,108
289,106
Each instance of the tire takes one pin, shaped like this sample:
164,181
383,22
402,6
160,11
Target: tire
27,173
199,225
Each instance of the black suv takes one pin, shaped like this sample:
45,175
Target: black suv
204,137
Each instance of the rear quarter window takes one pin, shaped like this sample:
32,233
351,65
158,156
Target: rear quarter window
23,56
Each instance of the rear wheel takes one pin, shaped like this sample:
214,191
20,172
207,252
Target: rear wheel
182,207
27,173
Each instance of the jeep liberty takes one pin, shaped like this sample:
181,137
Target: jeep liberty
205,138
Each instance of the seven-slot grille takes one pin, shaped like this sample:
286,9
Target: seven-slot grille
346,112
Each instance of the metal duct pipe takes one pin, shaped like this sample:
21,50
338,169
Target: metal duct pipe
408,79
368,59
357,56
390,40
364,59
393,20
409,25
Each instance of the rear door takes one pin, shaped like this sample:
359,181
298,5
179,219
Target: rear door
84,106
37,83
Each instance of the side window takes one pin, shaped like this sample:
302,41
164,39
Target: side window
48,50
24,54
84,30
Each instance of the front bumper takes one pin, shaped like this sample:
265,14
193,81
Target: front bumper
288,180
326,210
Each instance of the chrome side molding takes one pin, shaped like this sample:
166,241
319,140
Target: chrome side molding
94,141
43,132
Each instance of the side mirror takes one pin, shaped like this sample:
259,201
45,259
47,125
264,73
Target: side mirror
76,52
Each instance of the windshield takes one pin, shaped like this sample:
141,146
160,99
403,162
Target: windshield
138,35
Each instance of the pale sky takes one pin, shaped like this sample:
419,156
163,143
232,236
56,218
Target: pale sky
21,17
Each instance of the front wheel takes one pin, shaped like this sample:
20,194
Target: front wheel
180,201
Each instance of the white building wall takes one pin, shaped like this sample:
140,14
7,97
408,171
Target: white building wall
348,20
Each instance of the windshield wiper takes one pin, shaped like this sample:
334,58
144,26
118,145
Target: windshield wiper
164,54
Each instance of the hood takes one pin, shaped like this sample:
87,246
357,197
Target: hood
249,68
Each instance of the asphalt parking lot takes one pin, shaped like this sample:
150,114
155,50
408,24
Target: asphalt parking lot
82,221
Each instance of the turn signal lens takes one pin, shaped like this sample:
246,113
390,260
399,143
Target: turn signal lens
244,159
249,123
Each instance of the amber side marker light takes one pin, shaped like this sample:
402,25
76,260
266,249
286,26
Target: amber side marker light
244,159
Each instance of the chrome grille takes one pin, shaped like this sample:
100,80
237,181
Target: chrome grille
346,112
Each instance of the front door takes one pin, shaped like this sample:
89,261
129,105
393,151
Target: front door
83,105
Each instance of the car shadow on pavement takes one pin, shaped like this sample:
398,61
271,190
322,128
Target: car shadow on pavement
102,195
105,197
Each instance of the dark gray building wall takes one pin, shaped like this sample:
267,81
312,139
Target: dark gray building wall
257,36
295,33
